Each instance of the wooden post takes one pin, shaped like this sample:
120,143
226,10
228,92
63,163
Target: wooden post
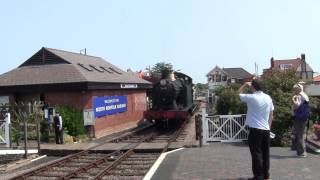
200,130
197,126
25,139
38,135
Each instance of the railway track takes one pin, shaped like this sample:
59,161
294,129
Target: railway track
118,165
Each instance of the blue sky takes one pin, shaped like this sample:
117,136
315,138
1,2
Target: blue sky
192,35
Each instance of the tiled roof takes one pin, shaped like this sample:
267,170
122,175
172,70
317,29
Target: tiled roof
317,78
238,73
52,66
294,62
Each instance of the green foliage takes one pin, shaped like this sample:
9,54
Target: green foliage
161,66
315,110
229,101
278,84
30,113
72,120
201,87
283,80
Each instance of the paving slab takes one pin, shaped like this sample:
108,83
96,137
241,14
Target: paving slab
221,161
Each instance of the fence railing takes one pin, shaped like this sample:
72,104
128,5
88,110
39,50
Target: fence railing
22,122
226,128
5,130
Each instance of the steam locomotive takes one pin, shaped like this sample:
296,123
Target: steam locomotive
171,99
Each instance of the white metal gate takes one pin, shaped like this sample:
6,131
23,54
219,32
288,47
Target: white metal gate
226,128
4,130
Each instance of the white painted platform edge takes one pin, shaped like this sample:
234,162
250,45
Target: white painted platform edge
16,151
156,165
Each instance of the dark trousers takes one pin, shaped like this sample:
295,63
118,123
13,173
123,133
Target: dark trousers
259,144
59,136
298,142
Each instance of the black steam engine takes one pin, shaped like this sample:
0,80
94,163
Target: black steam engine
171,99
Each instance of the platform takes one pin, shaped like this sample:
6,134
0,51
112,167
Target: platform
220,161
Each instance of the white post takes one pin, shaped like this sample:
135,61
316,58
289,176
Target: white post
204,126
7,130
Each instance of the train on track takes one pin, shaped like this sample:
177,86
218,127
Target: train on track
171,99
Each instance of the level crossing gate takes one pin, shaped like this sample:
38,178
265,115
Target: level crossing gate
5,130
224,128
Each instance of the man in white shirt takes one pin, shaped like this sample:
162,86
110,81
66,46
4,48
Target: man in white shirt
259,118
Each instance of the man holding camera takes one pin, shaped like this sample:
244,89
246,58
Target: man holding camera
259,118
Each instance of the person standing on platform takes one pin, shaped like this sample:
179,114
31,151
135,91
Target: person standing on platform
301,111
259,118
58,128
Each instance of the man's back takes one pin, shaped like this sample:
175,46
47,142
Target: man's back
259,107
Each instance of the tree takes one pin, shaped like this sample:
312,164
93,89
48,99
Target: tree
201,87
229,101
278,84
161,68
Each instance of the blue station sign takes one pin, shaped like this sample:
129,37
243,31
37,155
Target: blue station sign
108,105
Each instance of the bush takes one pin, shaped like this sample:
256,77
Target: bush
278,85
72,120
229,101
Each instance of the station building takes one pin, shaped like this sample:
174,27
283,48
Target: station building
110,98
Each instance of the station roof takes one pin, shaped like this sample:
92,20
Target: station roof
53,69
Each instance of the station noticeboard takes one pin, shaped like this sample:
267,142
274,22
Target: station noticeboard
108,105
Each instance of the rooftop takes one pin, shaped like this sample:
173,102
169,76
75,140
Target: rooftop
52,66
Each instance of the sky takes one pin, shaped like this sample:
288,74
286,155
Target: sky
193,35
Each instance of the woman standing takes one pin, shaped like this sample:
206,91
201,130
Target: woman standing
301,110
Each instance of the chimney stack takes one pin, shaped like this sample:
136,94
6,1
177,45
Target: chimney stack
272,62
303,57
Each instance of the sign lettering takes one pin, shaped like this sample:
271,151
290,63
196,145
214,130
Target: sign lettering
108,105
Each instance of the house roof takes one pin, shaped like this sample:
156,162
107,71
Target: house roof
316,79
216,68
53,66
294,62
238,73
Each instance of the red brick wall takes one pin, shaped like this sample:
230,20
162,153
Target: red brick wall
112,123
75,99
107,124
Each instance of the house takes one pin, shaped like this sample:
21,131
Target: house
316,80
87,83
225,76
302,68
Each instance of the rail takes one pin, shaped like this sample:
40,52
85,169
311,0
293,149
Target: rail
63,160
84,161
